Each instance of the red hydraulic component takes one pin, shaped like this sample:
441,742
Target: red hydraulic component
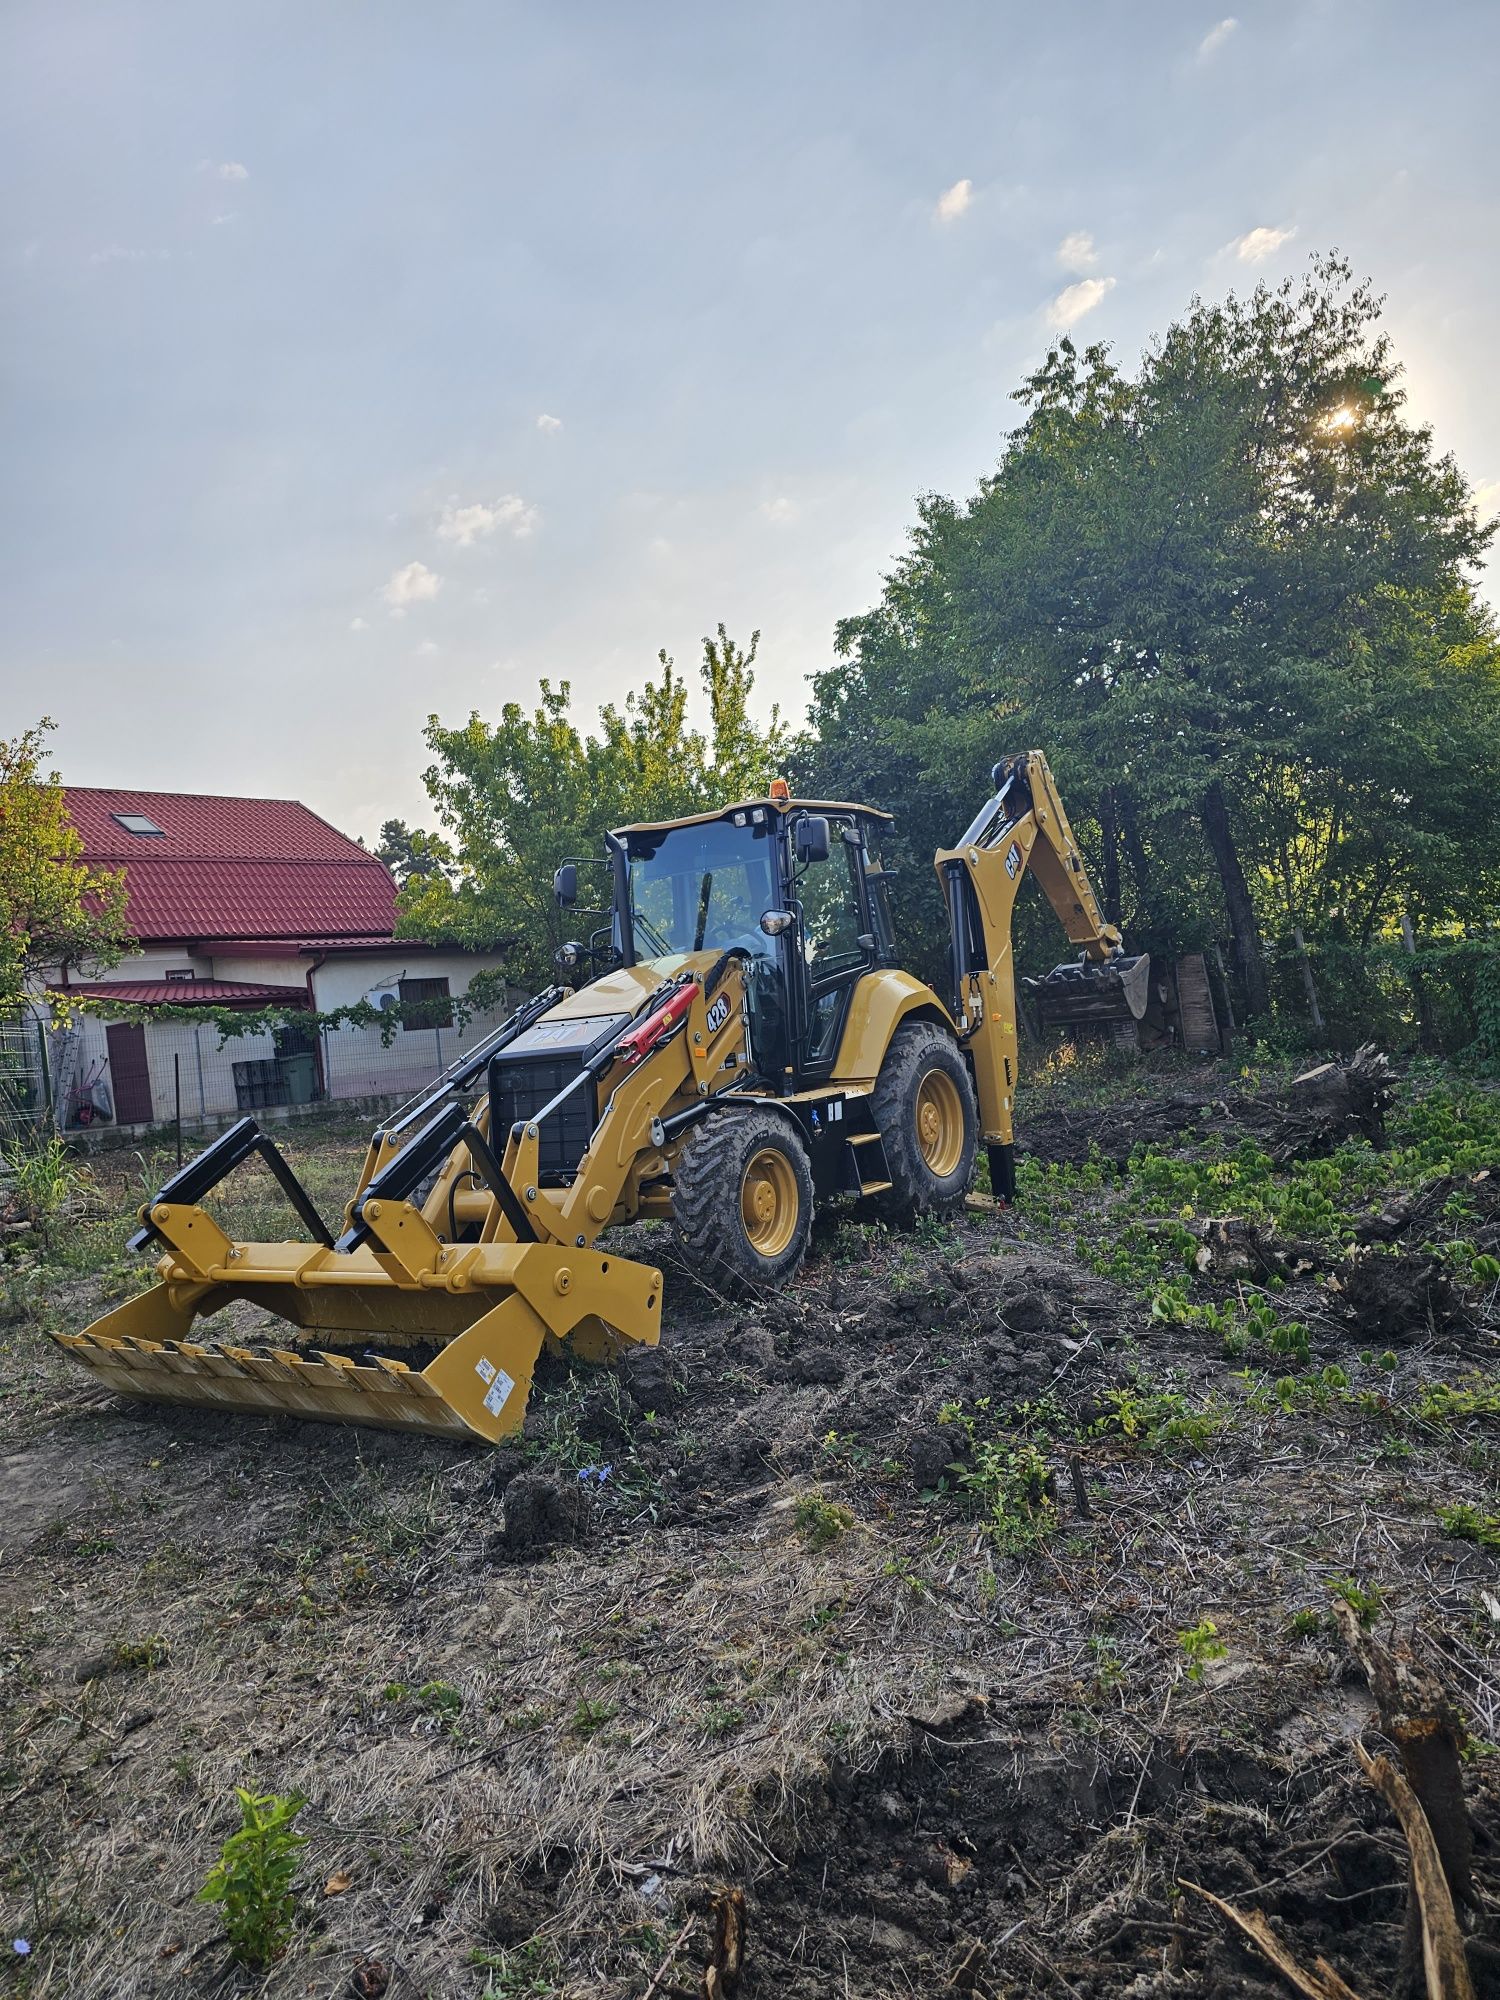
641,1040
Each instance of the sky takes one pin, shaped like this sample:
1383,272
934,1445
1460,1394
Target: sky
363,360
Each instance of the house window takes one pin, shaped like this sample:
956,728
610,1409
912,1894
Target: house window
138,823
180,978
425,1003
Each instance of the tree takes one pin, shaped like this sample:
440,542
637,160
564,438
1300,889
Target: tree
533,789
1232,597
408,851
54,909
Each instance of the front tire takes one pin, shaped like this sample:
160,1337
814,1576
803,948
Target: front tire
742,1200
924,1109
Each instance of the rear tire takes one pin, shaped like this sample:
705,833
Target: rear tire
924,1109
742,1200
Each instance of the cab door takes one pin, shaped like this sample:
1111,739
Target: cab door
835,945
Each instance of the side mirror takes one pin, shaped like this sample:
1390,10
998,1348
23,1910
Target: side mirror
775,922
812,839
565,885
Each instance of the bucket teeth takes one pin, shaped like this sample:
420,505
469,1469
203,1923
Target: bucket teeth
327,1387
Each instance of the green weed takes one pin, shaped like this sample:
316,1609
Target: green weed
1364,1600
1468,1523
820,1522
1201,1644
254,1876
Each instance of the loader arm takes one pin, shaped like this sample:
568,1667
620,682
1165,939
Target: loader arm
1023,827
523,1269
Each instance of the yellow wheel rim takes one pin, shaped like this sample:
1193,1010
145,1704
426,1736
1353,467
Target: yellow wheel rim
940,1123
769,1202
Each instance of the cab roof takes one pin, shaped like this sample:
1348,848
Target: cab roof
748,805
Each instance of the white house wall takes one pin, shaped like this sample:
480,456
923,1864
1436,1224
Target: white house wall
352,1062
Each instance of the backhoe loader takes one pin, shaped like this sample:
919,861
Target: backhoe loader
734,1044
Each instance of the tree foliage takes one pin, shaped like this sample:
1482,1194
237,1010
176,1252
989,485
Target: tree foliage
518,796
1231,596
54,908
408,851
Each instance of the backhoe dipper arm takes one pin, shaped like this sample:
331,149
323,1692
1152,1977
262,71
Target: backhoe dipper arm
1023,825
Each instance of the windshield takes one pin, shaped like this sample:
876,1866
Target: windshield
701,888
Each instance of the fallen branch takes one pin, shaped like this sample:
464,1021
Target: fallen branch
666,1965
1322,1983
1442,1941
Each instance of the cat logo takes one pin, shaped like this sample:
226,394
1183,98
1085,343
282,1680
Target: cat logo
1013,860
718,1014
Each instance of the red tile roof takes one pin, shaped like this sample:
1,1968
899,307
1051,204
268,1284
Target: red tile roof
188,992
254,869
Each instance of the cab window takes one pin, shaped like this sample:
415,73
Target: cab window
832,911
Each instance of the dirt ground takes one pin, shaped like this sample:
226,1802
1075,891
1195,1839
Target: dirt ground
957,1605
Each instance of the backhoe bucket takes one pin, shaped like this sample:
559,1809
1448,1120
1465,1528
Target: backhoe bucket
492,1313
1084,994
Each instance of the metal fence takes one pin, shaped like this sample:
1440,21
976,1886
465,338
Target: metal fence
128,1077
25,1079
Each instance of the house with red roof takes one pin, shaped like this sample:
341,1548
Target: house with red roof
248,904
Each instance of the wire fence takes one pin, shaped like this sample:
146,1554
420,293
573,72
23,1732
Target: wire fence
101,1077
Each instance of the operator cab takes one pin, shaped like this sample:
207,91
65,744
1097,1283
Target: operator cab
793,885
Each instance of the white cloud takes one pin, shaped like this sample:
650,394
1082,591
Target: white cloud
219,221
359,625
413,585
467,525
426,651
1216,37
779,510
1258,244
1487,498
1076,252
231,170
546,423
953,201
1074,301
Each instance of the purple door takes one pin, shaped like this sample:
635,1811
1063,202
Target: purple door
128,1073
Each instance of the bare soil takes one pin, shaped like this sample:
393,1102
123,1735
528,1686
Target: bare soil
785,1605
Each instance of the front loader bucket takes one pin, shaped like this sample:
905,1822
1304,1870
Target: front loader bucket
502,1302
1085,994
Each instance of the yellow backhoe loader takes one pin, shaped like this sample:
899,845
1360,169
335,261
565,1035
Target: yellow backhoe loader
736,1042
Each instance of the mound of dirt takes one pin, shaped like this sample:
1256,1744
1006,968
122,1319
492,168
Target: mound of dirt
1302,1120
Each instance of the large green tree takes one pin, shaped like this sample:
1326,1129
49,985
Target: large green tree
1231,594
54,908
517,796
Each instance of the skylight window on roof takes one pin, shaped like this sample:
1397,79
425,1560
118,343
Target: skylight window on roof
138,823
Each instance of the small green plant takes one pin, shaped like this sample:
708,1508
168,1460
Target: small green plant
722,1718
589,1716
1468,1523
1201,1644
521,1972
1441,1402
1364,1600
439,1698
1013,1485
128,1654
1304,1624
1159,1419
45,1180
254,1875
820,1522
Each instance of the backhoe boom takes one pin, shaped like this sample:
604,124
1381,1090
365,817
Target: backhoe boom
1022,827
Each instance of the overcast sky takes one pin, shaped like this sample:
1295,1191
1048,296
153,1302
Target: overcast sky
363,359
